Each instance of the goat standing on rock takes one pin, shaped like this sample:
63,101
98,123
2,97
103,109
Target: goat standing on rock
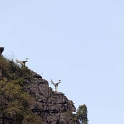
56,85
22,62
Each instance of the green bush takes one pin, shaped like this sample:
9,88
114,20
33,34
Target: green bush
14,100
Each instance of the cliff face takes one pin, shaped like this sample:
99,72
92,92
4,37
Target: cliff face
52,107
26,98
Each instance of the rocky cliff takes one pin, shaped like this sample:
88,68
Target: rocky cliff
50,107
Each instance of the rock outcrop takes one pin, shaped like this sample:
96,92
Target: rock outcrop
52,107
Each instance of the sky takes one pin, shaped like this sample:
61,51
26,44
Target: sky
80,42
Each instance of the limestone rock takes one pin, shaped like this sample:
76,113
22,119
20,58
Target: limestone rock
52,107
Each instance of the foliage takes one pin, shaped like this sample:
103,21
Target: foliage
31,118
82,114
14,100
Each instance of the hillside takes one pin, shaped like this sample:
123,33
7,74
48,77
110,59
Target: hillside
26,98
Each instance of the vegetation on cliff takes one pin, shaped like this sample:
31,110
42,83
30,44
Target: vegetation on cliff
14,100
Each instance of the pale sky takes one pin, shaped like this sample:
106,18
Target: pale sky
80,42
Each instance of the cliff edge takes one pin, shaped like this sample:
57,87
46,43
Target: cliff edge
52,107
26,98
